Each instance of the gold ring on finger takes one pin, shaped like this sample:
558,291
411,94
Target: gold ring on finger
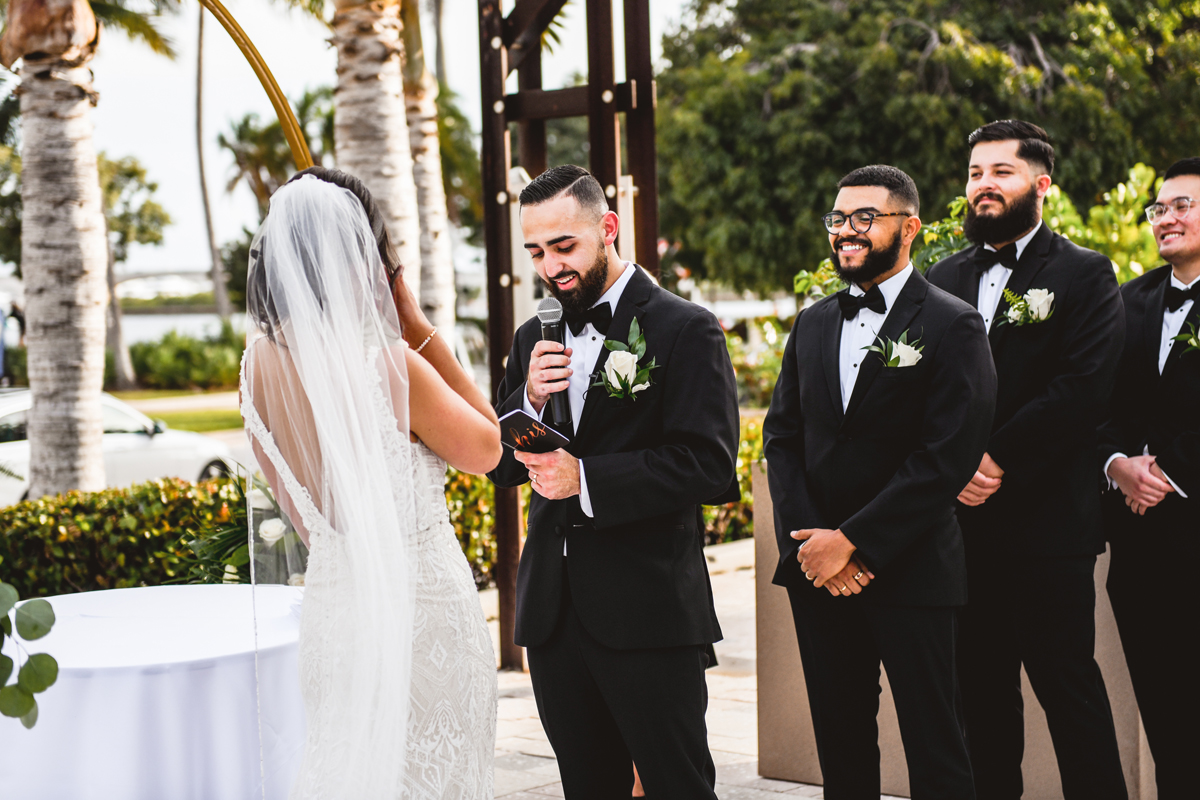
859,575
845,588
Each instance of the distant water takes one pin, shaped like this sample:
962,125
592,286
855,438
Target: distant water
152,327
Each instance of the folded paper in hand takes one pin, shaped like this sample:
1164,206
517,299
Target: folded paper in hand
520,431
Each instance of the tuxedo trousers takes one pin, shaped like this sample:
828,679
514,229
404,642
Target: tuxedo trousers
1040,613
1156,617
604,709
842,641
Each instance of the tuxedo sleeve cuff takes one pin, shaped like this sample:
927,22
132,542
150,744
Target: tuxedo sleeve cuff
585,499
1111,483
527,406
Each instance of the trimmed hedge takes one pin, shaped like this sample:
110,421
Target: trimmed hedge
139,536
113,539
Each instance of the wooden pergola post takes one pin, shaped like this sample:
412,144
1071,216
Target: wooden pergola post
514,43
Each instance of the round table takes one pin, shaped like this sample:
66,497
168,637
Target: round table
156,698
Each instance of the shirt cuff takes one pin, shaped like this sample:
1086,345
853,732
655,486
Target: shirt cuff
527,406
585,499
1111,483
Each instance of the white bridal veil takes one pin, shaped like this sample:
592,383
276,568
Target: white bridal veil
325,397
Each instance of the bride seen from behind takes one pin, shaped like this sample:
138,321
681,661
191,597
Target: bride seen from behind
353,428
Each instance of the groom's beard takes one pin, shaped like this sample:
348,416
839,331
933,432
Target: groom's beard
875,263
588,289
1009,224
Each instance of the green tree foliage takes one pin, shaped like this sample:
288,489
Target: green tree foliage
261,155
460,165
765,104
129,208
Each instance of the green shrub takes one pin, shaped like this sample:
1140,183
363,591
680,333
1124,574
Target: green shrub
756,366
15,366
113,539
182,362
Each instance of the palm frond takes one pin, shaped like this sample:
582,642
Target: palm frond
314,7
135,25
8,472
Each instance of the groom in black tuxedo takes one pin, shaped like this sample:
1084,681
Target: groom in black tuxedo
1150,452
865,457
613,597
1031,514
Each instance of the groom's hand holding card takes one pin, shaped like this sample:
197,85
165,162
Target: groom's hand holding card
553,472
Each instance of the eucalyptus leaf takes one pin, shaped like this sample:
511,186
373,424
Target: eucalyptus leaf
639,347
15,701
6,624
612,344
34,619
8,598
240,557
30,718
6,668
38,673
635,330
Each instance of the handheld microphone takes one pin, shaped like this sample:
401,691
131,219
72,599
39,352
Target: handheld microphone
550,313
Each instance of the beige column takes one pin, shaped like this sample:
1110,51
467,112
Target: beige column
787,749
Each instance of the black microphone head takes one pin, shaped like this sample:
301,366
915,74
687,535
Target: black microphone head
549,310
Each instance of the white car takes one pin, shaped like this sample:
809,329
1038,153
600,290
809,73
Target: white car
136,448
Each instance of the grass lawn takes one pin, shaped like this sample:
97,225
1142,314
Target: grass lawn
201,421
156,394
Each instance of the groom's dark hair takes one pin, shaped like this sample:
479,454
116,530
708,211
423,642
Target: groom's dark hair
567,179
1033,143
1184,166
901,189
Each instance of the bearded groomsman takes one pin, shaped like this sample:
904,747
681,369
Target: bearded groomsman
1031,514
1150,450
866,451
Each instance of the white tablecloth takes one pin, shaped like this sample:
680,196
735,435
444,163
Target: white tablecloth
155,698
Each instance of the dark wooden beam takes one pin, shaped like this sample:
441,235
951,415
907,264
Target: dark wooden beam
604,133
559,103
531,130
524,27
494,162
641,147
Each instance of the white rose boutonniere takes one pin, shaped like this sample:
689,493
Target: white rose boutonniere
271,531
1191,338
624,373
900,353
1036,306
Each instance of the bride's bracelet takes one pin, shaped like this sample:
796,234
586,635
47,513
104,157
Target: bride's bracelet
421,347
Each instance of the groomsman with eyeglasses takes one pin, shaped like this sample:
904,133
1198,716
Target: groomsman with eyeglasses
880,415
1031,514
1150,452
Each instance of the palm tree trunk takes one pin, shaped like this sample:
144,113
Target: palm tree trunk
437,6
420,95
371,132
126,379
63,260
220,292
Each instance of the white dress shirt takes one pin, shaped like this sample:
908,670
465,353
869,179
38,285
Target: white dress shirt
585,351
992,282
862,329
1171,325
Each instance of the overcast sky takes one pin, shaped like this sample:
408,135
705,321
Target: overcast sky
147,103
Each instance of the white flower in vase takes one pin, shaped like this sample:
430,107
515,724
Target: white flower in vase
271,531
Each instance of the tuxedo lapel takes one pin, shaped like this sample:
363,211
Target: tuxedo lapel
1030,264
908,303
1153,319
636,293
968,276
831,338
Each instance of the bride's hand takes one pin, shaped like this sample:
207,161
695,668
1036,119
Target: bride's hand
412,319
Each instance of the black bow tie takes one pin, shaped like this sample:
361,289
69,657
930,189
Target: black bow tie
852,304
986,259
599,316
1176,297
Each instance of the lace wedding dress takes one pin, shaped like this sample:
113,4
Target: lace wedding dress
397,671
